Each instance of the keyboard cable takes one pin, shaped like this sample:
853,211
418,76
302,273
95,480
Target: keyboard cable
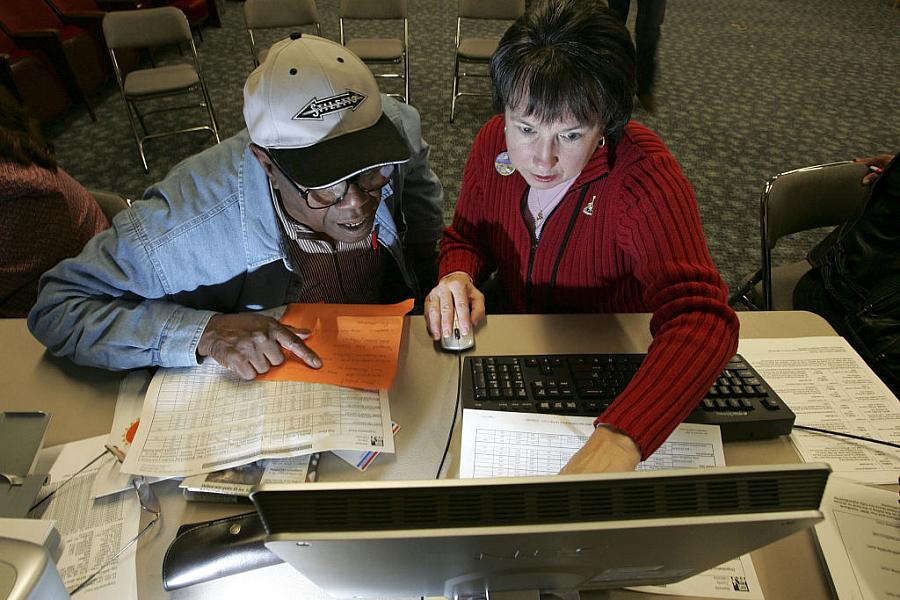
846,435
455,410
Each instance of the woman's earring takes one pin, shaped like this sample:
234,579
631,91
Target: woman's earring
602,142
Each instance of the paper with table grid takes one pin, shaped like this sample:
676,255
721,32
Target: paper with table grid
511,444
202,419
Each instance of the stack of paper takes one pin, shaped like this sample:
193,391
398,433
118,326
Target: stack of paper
228,435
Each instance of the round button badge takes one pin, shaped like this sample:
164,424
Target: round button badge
503,165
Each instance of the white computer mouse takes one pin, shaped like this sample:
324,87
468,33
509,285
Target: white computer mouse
456,341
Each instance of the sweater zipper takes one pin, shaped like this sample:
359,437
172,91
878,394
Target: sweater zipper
532,252
523,206
534,242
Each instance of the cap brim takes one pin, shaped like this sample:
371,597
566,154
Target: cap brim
334,160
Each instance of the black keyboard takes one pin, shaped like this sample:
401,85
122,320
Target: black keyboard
740,401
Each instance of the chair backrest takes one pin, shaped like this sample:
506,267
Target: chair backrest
818,196
146,28
369,9
24,15
110,203
491,9
64,6
808,198
262,14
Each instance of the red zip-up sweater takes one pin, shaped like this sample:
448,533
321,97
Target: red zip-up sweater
625,238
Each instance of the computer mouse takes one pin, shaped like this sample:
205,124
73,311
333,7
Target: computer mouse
456,341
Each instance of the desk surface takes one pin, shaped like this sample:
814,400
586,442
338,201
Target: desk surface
82,401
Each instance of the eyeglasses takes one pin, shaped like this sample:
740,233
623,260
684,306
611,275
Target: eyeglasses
146,496
368,182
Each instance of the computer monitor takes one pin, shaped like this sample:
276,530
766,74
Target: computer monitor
461,538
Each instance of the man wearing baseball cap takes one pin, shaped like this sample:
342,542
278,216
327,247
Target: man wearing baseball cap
327,196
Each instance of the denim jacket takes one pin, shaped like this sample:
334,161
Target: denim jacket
205,240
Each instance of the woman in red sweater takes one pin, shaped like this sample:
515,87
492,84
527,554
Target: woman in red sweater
578,210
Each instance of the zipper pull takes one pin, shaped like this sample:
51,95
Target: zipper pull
375,240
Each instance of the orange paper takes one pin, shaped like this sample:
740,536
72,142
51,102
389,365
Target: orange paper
358,343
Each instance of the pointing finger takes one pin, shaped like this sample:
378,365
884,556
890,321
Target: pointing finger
292,343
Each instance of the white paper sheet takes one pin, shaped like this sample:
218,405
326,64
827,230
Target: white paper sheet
362,460
509,444
204,419
735,579
827,385
91,529
240,481
860,539
129,402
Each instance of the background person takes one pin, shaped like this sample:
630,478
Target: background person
327,196
580,210
45,215
855,280
647,29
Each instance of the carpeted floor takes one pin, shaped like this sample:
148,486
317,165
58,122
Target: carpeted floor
745,90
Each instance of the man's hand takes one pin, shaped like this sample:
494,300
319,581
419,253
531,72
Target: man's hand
606,450
250,343
453,291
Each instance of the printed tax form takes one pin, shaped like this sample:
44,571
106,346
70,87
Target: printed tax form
860,540
829,386
202,419
92,529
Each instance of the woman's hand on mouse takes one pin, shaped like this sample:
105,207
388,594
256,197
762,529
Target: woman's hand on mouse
455,292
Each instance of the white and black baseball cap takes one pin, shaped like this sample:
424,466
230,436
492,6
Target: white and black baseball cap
315,107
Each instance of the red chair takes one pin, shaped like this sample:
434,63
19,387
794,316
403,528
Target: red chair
196,11
31,78
75,51
90,13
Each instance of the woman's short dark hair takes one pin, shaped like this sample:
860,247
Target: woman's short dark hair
20,138
569,58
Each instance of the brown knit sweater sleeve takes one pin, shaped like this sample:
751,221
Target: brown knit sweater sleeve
45,216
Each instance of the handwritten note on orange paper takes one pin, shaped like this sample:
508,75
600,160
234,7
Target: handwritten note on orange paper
358,343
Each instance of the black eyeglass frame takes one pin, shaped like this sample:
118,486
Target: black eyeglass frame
371,194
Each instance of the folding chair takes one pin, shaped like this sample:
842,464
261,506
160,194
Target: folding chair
379,50
275,14
478,50
74,48
799,200
146,29
33,81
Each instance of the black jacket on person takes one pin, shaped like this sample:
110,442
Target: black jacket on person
859,264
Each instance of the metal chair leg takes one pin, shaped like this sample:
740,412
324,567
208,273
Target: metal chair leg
455,88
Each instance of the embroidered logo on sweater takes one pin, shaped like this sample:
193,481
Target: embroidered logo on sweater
315,109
